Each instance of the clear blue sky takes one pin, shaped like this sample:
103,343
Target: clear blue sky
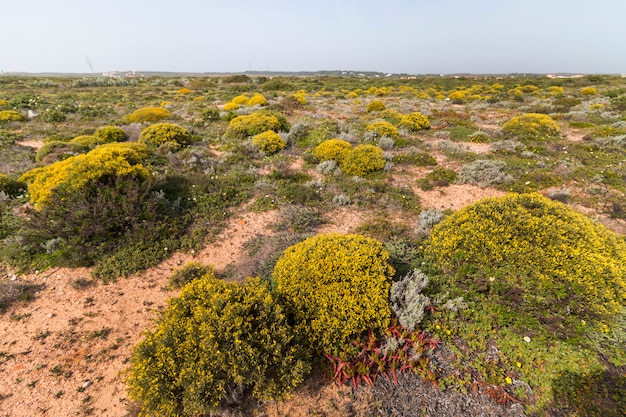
399,36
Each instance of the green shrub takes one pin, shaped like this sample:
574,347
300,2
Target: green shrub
532,126
383,129
188,273
148,114
53,116
255,123
336,287
215,342
11,116
332,149
560,261
56,150
415,121
11,187
375,105
392,116
363,159
158,134
269,142
210,114
115,159
108,134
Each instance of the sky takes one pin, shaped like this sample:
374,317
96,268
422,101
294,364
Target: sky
389,36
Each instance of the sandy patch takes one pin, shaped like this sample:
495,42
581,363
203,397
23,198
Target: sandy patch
454,196
35,144
62,354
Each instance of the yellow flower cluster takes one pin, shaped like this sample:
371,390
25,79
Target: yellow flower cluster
332,149
375,105
414,121
255,123
11,116
336,287
148,114
269,142
554,254
114,159
158,134
531,126
383,129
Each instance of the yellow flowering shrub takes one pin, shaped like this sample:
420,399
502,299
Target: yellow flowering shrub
3,104
335,149
458,97
255,123
301,97
363,159
231,106
214,340
335,287
257,99
555,90
11,116
87,141
562,262
242,99
375,105
160,133
532,126
588,91
148,114
414,121
269,142
115,159
184,90
383,129
109,134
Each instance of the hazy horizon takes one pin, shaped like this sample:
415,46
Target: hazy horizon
397,36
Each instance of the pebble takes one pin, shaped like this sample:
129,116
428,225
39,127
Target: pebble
86,384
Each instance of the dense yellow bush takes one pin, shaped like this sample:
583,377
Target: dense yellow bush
555,90
458,97
255,123
242,99
115,159
363,159
11,116
383,129
562,262
110,134
148,114
415,121
332,149
158,134
217,338
375,105
269,142
231,106
257,99
588,91
335,287
533,126
87,141
184,90
301,97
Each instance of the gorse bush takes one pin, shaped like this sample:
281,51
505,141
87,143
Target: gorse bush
87,141
532,126
332,149
255,123
382,128
335,287
562,262
148,114
375,105
414,121
11,116
362,160
215,342
108,134
114,159
588,91
257,99
269,142
158,134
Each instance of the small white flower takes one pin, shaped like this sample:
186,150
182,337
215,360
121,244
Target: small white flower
526,339
492,279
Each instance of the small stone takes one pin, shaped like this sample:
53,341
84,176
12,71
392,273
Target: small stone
86,384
